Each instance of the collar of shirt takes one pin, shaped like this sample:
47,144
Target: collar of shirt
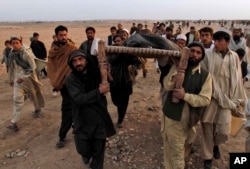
196,69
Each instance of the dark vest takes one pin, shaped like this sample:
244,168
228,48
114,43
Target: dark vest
192,84
110,40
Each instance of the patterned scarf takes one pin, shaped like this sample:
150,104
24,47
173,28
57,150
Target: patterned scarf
18,57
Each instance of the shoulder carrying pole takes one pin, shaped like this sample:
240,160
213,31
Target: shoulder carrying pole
182,66
102,61
146,53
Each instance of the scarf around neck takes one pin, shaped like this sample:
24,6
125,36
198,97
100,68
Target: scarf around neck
18,57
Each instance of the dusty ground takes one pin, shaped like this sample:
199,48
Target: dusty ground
138,145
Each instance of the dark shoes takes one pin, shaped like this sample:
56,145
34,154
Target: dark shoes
36,113
60,144
216,152
13,126
144,74
207,164
119,125
85,160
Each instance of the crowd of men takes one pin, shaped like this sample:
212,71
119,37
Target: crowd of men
212,90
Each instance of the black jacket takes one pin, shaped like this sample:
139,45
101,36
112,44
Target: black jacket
119,68
243,68
89,107
39,49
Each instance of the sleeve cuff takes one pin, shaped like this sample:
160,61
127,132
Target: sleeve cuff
186,97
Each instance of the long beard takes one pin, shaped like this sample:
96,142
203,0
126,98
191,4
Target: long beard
193,62
236,38
63,42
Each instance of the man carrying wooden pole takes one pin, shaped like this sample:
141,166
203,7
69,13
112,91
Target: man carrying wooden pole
183,105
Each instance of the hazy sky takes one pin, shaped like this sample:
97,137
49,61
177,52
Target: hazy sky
65,10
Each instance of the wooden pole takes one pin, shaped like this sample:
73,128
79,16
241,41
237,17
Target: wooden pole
102,59
143,52
182,66
146,53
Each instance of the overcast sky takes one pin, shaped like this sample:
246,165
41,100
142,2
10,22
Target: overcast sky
68,10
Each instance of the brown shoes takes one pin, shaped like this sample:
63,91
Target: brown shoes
36,113
13,126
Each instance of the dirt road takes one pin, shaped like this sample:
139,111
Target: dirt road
138,145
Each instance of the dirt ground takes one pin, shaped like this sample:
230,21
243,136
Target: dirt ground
138,145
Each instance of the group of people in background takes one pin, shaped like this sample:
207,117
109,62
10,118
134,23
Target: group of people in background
212,89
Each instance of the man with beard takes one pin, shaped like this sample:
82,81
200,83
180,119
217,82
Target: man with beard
57,70
228,94
237,42
90,46
180,118
125,34
92,122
